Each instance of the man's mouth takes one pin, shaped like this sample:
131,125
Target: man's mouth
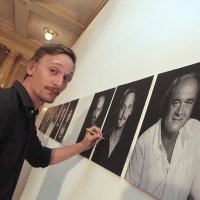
53,90
177,119
122,119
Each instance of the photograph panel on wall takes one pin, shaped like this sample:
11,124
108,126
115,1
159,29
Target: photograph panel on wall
77,120
66,121
53,121
166,157
120,125
96,114
46,119
40,118
61,116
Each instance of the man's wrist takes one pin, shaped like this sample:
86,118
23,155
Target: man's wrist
81,146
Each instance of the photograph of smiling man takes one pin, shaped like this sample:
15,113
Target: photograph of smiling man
166,157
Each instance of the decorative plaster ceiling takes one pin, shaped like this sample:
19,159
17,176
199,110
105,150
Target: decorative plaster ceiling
22,22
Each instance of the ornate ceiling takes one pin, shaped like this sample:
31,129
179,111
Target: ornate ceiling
23,22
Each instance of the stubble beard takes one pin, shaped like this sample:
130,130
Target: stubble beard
44,99
52,97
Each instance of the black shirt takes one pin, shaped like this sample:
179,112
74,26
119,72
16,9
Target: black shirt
18,139
115,162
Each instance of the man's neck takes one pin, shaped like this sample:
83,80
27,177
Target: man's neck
117,132
168,141
167,135
114,139
26,84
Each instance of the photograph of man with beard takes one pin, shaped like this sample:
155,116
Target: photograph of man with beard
96,114
166,158
120,125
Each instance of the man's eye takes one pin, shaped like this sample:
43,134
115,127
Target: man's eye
176,103
189,103
130,106
53,71
122,108
65,79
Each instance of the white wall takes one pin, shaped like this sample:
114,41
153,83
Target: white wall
127,41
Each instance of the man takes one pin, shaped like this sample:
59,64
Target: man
97,110
165,161
48,73
112,152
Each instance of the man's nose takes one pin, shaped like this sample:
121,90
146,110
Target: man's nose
95,112
58,81
124,111
180,109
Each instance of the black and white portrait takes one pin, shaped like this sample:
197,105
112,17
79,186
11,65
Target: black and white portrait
66,121
120,125
49,115
96,114
61,116
53,120
166,157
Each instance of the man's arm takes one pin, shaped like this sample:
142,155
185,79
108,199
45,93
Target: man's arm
60,154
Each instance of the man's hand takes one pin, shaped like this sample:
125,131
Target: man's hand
60,154
90,138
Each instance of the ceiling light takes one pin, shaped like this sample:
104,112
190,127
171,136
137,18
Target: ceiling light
49,33
48,36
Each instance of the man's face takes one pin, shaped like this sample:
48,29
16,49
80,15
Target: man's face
181,104
97,110
125,110
50,76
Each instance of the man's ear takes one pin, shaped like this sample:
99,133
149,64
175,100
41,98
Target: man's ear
31,67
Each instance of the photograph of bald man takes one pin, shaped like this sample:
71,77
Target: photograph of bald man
96,114
97,110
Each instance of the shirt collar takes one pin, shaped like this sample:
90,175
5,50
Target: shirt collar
157,136
25,98
184,133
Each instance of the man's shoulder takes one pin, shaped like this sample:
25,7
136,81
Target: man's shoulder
193,124
6,94
149,133
193,121
7,98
